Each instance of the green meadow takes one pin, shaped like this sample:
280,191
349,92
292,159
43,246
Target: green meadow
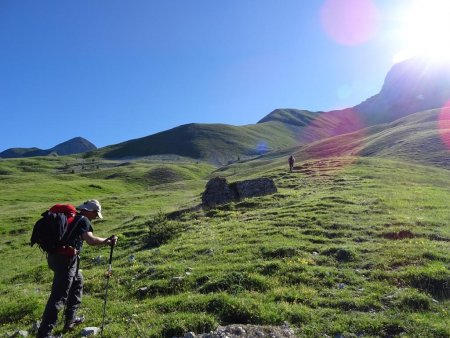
357,246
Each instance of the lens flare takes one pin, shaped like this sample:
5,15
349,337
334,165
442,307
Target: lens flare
349,22
338,133
444,125
262,147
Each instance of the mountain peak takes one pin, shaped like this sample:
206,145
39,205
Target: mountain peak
75,145
410,86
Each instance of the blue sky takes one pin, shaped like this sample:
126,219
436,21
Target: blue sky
111,70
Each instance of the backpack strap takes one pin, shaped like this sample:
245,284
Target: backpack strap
74,226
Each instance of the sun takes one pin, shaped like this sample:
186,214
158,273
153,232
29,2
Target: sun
425,29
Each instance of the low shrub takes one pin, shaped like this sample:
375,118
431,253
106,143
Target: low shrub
161,230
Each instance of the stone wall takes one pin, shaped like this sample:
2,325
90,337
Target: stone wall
218,191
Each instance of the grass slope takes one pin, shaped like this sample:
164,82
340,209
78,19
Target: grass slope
353,246
313,126
216,143
422,137
293,117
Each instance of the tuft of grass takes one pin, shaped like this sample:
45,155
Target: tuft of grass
177,324
236,282
413,300
341,254
18,308
433,278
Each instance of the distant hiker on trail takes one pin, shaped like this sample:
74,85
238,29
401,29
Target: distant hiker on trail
67,285
291,162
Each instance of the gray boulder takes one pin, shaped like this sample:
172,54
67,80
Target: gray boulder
254,188
90,331
218,191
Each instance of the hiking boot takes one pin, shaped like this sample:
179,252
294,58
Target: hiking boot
70,325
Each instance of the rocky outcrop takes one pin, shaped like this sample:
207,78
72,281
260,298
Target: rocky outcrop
218,191
247,331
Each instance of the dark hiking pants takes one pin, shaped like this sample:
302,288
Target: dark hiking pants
67,289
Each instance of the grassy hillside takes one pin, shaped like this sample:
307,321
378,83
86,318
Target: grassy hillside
348,245
294,117
216,143
422,138
419,137
315,126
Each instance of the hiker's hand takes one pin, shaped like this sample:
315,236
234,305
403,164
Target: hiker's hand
108,273
111,241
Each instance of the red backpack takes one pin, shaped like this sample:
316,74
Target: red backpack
53,230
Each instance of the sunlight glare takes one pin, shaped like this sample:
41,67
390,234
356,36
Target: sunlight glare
349,22
425,30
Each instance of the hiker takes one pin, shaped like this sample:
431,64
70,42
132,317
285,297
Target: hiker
67,287
291,162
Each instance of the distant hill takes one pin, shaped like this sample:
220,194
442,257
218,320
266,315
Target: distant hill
422,137
73,146
312,126
216,143
410,86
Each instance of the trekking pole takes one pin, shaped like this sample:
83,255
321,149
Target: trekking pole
108,275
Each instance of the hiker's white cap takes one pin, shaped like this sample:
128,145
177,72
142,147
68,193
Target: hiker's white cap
92,205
